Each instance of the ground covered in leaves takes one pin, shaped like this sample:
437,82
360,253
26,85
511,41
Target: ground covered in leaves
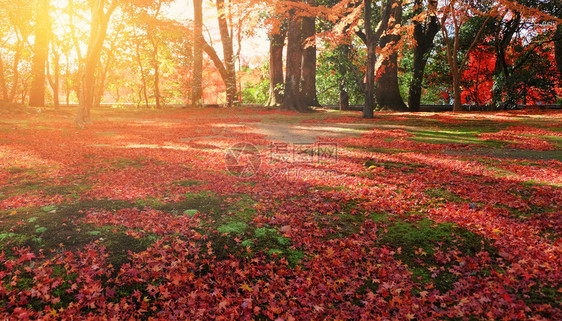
250,214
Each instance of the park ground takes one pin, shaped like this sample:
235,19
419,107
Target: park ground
255,214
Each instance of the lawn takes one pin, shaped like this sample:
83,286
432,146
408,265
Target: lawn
252,214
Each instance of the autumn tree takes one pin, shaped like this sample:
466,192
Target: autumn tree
229,77
40,53
15,29
101,11
536,27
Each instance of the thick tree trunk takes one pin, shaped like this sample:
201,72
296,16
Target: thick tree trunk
228,52
292,99
276,45
197,81
424,34
388,89
309,61
40,54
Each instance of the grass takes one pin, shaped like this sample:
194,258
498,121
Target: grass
418,242
53,227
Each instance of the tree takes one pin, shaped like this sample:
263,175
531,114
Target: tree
558,50
309,59
197,81
292,99
54,80
371,39
228,52
387,90
426,27
98,29
40,53
454,14
276,45
15,30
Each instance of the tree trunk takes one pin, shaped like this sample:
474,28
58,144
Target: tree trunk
371,39
98,31
156,68
156,77
388,89
197,81
3,87
424,34
100,83
292,99
228,51
15,71
344,98
55,83
309,61
67,80
276,44
144,90
40,54
558,50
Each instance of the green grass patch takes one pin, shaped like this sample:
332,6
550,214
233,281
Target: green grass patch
444,195
419,242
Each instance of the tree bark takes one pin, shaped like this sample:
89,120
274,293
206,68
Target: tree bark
228,52
40,54
309,61
292,99
388,91
276,45
197,81
3,86
424,34
98,31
